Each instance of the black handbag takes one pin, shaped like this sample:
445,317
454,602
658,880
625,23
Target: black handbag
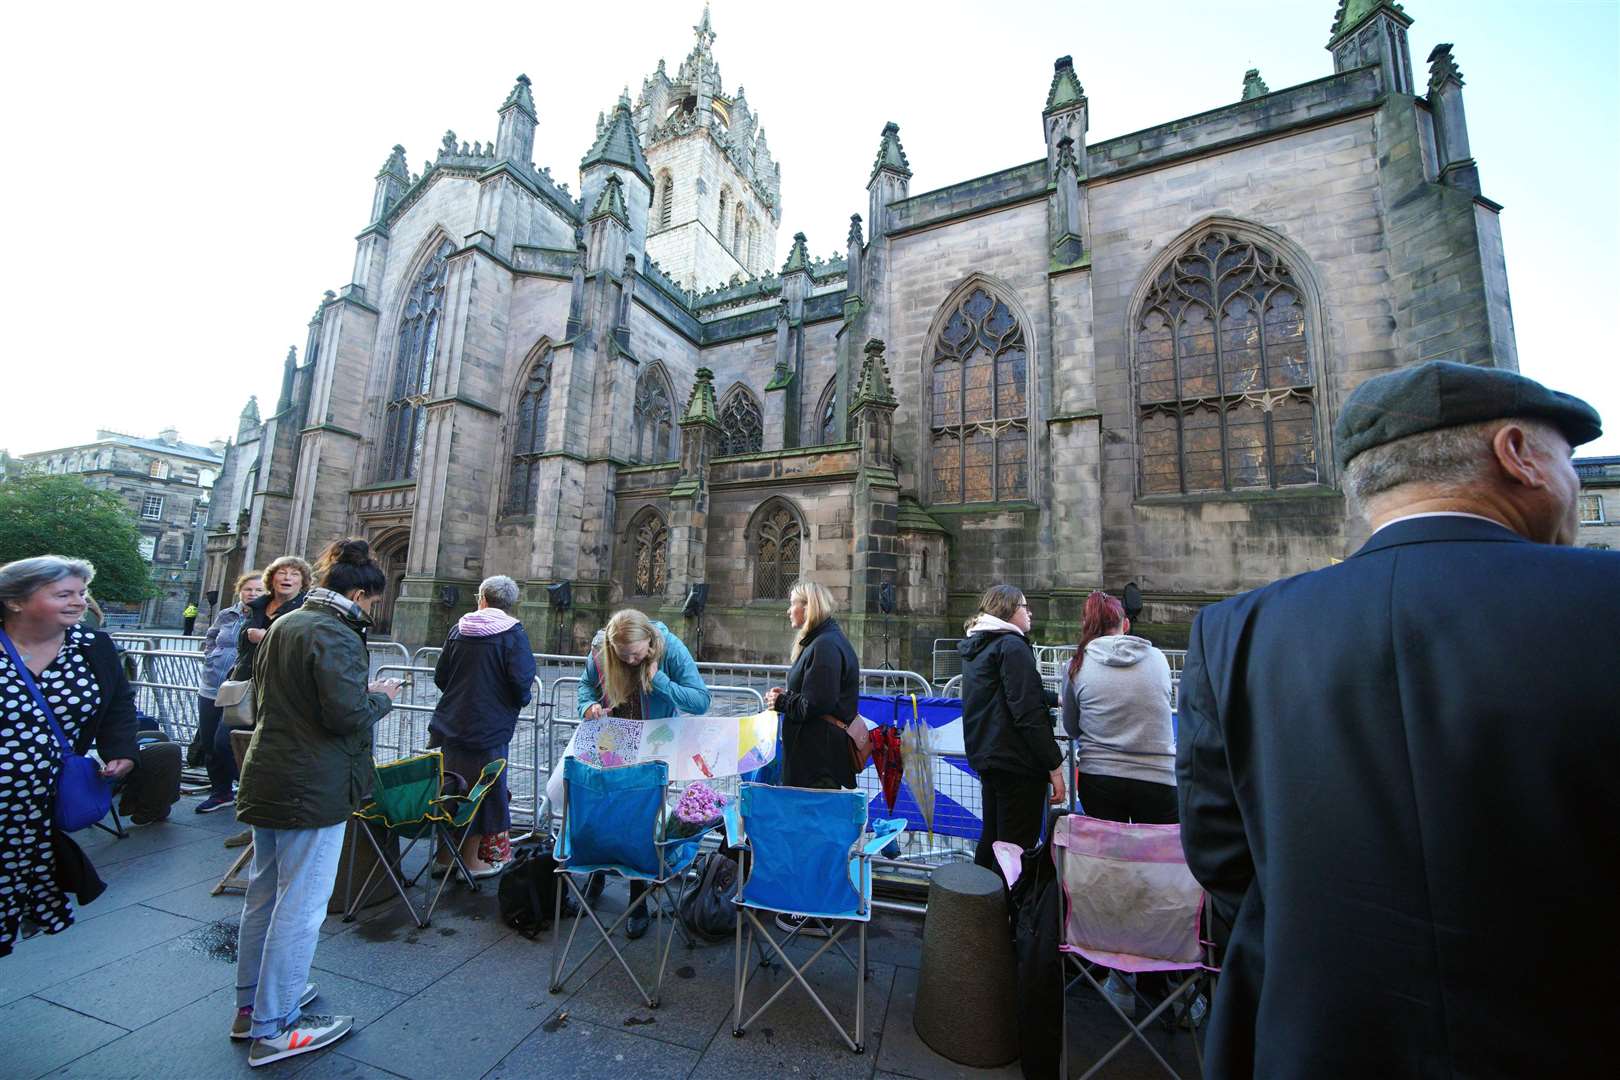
83,796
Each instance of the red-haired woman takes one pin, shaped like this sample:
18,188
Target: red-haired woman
1116,702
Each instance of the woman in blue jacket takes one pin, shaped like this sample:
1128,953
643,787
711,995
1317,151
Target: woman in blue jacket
637,669
485,676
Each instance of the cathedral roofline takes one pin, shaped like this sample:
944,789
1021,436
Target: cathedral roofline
618,145
1352,13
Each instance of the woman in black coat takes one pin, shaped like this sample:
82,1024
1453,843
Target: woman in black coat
485,676
1007,723
821,697
285,581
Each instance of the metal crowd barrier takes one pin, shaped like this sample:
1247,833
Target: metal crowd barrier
135,639
947,659
165,682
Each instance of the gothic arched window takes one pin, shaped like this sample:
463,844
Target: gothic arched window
405,416
753,246
775,551
980,408
649,554
1224,388
529,438
827,414
654,419
742,429
666,199
721,219
739,232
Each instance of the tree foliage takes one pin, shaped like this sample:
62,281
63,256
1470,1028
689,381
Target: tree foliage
62,515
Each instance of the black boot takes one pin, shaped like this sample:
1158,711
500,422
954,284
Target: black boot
636,925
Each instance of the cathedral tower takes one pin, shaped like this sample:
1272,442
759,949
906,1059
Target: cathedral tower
717,195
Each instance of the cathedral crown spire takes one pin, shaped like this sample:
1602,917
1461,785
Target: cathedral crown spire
520,97
891,155
704,31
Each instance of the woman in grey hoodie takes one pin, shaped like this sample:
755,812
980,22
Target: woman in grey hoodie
1116,702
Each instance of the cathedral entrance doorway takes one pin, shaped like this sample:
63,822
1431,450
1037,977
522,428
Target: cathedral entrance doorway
390,550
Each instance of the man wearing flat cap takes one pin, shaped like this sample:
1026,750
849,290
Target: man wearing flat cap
1397,776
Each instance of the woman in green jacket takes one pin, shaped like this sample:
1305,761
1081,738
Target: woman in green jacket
304,774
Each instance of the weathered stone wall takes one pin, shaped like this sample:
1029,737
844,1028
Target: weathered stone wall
691,250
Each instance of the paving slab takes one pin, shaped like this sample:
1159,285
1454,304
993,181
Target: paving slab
465,1022
37,1036
154,982
695,1001
136,880
563,1048
106,850
90,944
904,1053
335,1066
390,950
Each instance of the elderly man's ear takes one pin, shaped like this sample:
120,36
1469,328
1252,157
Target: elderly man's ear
1521,456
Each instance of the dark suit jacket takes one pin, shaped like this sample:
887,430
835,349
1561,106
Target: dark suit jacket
1397,779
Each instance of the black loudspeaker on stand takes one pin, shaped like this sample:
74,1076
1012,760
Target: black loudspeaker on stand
886,605
562,598
697,596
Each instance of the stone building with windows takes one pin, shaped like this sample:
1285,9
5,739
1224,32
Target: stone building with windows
1117,362
167,484
1598,509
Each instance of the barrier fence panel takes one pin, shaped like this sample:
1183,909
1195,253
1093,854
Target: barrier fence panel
136,639
947,659
165,682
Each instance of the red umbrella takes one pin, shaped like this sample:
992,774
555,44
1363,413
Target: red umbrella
887,759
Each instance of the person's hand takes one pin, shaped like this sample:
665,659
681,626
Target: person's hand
1059,792
772,695
255,635
592,711
652,670
117,767
387,686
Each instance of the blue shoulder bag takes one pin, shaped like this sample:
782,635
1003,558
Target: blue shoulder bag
83,796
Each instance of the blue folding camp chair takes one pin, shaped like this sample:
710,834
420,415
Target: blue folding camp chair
611,822
805,852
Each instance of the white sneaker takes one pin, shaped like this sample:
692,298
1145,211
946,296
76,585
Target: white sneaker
242,1022
1116,990
311,1032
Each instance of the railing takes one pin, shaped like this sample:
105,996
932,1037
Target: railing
133,639
947,659
165,682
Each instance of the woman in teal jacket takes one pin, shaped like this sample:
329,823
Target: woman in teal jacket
637,669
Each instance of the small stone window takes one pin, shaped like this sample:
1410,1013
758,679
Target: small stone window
1591,508
649,539
775,549
666,199
742,428
405,417
529,438
979,405
152,508
1225,392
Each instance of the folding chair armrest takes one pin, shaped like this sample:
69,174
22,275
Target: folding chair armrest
731,815
877,843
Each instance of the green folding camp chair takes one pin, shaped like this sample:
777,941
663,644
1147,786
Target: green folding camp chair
408,802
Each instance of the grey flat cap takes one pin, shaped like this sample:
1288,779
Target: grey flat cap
1442,394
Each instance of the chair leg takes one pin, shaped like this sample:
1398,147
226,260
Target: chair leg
229,880
395,876
860,996
798,976
737,976
1137,1029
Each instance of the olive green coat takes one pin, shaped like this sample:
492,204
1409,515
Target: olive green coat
309,763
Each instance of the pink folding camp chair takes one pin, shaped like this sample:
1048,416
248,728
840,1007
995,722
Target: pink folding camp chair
1132,906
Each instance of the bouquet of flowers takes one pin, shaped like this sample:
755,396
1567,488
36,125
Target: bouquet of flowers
698,809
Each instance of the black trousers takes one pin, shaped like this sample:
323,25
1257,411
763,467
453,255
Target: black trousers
1118,798
1014,807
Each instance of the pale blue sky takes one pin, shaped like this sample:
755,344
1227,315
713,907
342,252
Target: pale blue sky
191,176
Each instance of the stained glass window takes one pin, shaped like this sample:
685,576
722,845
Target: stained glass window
1224,387
529,438
776,552
742,429
978,404
405,417
654,419
649,538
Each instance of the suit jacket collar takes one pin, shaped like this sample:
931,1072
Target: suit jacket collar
1438,529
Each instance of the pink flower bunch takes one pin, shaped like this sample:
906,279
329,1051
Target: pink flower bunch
699,805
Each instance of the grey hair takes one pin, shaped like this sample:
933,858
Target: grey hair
499,591
21,579
1454,458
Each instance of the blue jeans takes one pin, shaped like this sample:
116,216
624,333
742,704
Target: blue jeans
293,874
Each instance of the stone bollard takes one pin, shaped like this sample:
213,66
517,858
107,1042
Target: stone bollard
967,991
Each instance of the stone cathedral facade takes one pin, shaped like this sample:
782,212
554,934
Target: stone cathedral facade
1117,362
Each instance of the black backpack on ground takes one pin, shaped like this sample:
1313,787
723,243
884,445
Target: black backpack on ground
527,894
707,910
154,784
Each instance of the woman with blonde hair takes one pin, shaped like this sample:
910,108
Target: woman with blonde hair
212,746
637,669
821,697
286,580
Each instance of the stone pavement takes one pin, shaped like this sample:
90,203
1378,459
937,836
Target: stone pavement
142,986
